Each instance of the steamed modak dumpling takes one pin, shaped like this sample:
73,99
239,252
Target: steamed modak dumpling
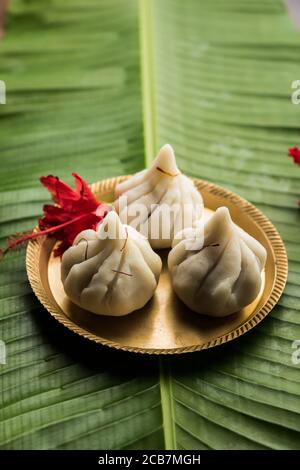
216,267
111,271
159,201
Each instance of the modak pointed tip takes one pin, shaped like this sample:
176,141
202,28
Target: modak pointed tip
167,148
165,161
223,215
113,225
221,222
112,217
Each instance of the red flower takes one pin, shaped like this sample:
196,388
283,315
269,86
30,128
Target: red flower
294,152
74,211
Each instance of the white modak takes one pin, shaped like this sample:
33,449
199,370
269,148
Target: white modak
111,271
159,201
222,274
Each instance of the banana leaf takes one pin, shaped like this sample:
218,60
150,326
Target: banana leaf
96,87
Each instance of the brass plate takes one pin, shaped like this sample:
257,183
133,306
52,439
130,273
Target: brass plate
165,325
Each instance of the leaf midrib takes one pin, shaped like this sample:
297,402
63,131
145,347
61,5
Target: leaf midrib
150,146
147,78
167,403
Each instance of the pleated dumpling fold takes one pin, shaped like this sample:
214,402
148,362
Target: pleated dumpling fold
159,201
111,271
216,267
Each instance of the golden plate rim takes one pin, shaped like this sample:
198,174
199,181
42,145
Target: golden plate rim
34,249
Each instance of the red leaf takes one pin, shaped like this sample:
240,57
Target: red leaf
74,211
294,152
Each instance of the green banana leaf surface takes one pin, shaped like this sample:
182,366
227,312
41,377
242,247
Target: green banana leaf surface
96,87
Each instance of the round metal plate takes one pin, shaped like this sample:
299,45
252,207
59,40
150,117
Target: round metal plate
165,325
